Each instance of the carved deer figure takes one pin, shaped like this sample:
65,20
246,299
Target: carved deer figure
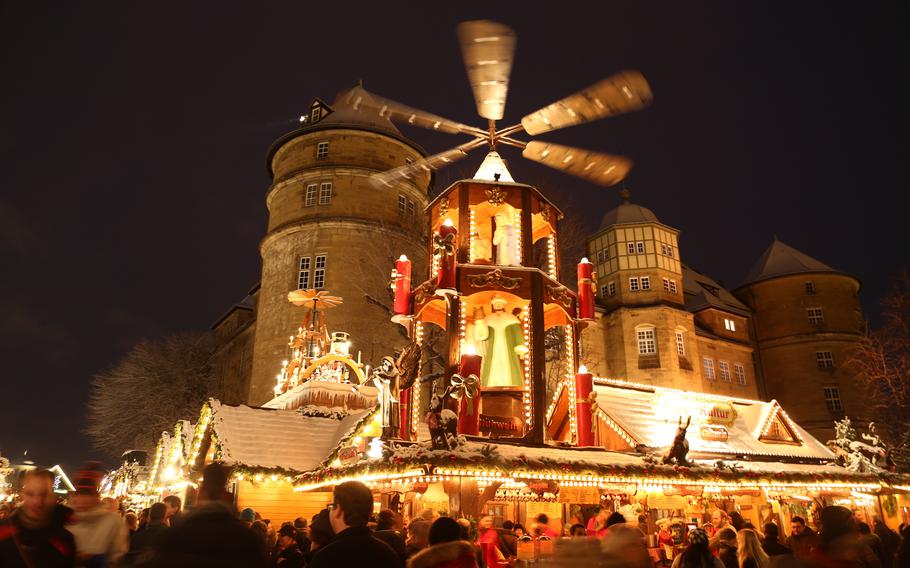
680,447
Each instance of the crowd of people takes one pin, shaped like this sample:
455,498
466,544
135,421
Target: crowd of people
93,532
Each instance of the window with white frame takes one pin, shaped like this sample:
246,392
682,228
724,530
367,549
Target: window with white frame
315,114
729,324
603,255
611,288
739,371
630,248
724,368
645,282
708,364
681,343
640,247
666,284
311,190
816,316
810,287
633,284
303,275
319,272
322,150
825,359
832,399
325,193
673,286
647,345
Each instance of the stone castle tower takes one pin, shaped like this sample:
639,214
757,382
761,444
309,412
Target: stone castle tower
806,321
331,227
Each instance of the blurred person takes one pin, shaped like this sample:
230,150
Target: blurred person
664,536
447,549
34,534
903,551
418,537
519,530
872,540
802,539
508,542
289,554
615,518
212,535
101,536
321,534
578,530
488,540
838,542
749,551
174,507
771,541
388,530
111,505
697,554
723,543
891,541
736,520
543,523
143,545
429,515
624,547
132,522
719,519
597,525
143,519
261,531
465,529
303,541
353,544
247,516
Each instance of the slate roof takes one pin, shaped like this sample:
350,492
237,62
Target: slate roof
649,415
261,437
702,291
627,214
343,114
780,259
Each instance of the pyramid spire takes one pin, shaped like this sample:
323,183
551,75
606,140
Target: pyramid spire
780,259
493,168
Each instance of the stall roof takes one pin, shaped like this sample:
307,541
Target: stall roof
285,439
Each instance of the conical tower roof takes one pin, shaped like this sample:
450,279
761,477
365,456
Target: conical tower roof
781,259
627,213
345,115
493,168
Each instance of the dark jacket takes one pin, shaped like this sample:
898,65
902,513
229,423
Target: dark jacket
355,546
210,536
508,543
890,543
290,557
144,543
773,547
458,554
803,544
727,555
51,547
395,541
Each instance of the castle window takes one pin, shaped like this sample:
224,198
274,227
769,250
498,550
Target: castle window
729,324
640,246
603,255
825,359
670,251
724,371
666,284
633,284
681,343
611,288
310,195
672,286
322,150
832,399
645,282
663,249
740,372
412,209
810,287
303,276
816,316
708,364
630,248
604,291
646,342
319,273
408,161
402,205
325,193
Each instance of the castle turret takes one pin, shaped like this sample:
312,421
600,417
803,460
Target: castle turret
806,322
331,227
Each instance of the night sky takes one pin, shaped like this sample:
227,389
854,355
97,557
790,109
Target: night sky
134,136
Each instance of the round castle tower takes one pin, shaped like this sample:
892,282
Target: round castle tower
330,227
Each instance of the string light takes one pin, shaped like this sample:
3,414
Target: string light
471,236
551,253
519,234
526,396
415,390
570,380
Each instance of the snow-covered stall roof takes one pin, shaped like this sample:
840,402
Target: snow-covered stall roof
278,438
326,393
720,424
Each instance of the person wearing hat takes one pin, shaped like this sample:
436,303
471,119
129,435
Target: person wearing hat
101,536
289,554
697,554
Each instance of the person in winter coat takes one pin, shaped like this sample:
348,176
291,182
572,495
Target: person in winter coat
321,534
353,544
838,542
446,550
101,536
697,554
34,534
771,542
211,535
289,554
890,541
144,544
724,544
388,530
802,539
749,551
418,537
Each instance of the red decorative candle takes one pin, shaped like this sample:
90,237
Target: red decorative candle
585,290
404,414
469,391
584,386
445,244
402,305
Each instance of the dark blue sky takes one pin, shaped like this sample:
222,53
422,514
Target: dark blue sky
134,135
